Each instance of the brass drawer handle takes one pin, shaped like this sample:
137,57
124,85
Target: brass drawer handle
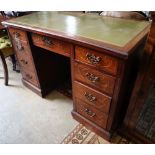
93,59
90,113
17,41
47,41
29,76
24,61
92,77
19,45
90,97
16,35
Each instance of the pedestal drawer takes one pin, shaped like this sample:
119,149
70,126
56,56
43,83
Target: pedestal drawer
97,59
92,97
22,49
30,77
52,44
26,63
18,34
92,113
24,55
92,77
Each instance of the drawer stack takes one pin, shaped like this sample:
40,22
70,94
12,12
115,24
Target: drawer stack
24,55
94,82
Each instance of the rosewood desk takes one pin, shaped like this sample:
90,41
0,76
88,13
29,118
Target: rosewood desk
100,54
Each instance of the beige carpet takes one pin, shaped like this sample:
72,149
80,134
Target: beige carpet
27,118
82,135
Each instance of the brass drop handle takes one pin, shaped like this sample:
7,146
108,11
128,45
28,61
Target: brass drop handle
90,97
19,45
47,41
16,35
92,58
28,76
89,112
92,77
24,61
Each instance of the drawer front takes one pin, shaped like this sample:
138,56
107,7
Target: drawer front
21,48
92,97
92,114
52,44
24,56
152,30
97,59
94,78
17,34
26,63
30,77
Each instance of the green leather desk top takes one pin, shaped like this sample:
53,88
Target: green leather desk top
112,31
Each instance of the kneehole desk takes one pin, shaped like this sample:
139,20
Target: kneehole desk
102,55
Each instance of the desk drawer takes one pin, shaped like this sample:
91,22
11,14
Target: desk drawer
52,44
26,63
24,56
94,78
30,76
18,34
21,48
92,97
97,59
92,113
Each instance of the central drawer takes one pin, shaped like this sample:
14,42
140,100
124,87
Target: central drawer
94,78
52,44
